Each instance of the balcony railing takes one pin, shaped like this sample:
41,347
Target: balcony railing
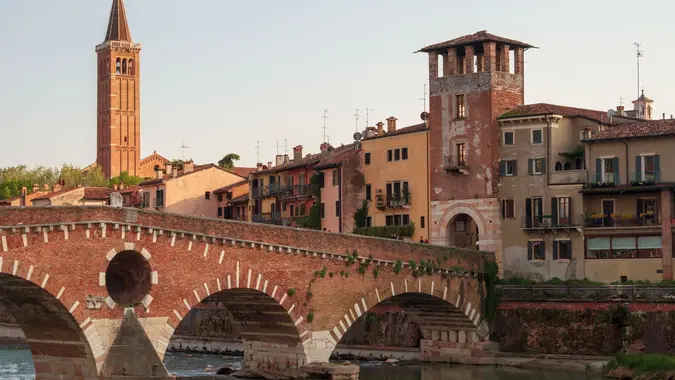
644,219
295,191
538,222
600,179
645,177
271,217
565,177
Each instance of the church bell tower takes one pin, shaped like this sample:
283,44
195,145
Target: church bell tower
118,143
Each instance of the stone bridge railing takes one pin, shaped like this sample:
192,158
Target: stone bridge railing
585,293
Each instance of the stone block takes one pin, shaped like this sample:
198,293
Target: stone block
461,336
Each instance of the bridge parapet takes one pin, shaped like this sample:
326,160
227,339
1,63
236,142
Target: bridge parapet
316,242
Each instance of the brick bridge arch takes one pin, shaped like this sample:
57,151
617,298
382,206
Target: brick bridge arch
309,280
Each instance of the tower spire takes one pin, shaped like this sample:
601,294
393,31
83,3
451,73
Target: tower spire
118,27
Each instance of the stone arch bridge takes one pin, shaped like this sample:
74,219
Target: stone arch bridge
98,291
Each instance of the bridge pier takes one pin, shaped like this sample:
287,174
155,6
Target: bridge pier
457,346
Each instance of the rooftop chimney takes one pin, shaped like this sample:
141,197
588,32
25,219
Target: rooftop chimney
664,116
56,188
279,160
285,158
47,185
189,167
24,191
259,166
619,110
168,169
324,147
297,153
380,128
269,164
36,187
391,124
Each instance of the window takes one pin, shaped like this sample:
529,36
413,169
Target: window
534,210
322,210
220,197
321,180
624,247
461,154
291,208
421,222
289,181
404,153
508,138
159,198
369,192
647,168
283,206
560,211
461,110
537,166
647,210
397,192
536,250
337,208
367,158
398,220
558,166
207,195
389,155
508,208
507,168
537,136
607,170
336,177
405,219
568,166
369,221
220,211
397,154
562,250
302,179
146,199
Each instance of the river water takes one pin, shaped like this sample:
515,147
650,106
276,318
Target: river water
17,364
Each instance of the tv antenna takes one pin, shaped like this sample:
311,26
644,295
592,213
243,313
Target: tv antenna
183,147
257,149
424,98
357,116
325,117
368,116
639,53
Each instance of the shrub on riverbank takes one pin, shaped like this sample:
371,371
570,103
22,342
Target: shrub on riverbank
641,366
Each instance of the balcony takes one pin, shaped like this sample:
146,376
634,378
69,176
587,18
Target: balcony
456,165
603,179
568,177
647,219
548,222
645,177
297,191
268,218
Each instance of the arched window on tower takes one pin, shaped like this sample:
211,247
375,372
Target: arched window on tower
130,67
118,66
579,164
124,66
568,166
558,166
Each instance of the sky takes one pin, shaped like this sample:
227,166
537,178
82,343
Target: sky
223,75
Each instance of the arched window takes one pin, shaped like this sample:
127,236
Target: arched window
568,166
130,67
124,66
579,164
118,66
558,166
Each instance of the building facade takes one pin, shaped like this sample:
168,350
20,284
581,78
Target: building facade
233,201
396,189
471,82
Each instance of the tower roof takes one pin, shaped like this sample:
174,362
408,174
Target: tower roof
642,98
469,39
118,27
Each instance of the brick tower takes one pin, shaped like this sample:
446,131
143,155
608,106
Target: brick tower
118,143
471,81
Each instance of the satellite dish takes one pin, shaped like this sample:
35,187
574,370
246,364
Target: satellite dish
424,116
357,136
611,112
116,200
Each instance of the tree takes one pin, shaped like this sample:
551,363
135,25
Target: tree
125,179
227,162
5,192
177,164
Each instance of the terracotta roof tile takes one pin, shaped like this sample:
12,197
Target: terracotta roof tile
538,109
402,131
57,193
645,129
118,27
478,37
164,178
310,160
241,198
228,187
97,193
243,172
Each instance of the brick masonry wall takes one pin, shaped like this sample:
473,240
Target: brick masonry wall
66,252
585,328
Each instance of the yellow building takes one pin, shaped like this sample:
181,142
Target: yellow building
397,179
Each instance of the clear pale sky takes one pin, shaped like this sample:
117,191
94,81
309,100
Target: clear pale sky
223,74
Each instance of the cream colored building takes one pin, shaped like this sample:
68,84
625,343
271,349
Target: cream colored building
78,196
397,177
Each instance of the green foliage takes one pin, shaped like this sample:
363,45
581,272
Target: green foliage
331,274
313,219
386,231
310,316
376,271
177,164
322,273
647,364
397,266
227,162
12,179
578,151
491,278
516,280
72,176
309,295
413,265
125,179
291,292
361,215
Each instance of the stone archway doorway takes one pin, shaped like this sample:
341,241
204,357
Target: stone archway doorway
462,232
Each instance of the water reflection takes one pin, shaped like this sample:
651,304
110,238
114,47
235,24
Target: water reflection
459,372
